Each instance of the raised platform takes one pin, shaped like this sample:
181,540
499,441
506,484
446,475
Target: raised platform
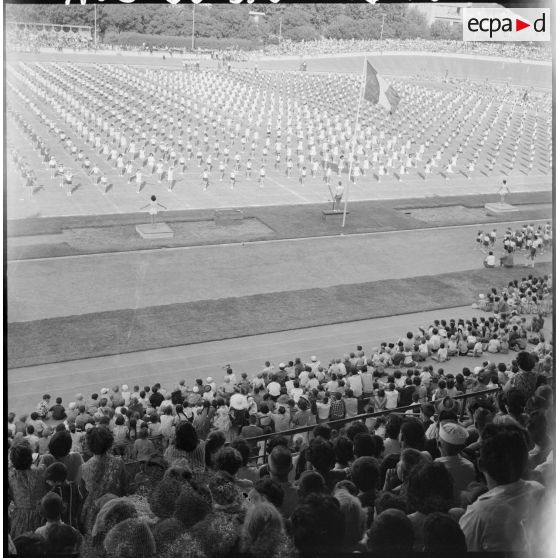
500,208
155,231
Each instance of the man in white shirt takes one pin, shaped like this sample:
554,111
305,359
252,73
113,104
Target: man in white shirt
490,260
504,518
355,384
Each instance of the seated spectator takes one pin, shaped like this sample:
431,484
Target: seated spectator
310,483
110,514
61,540
215,441
43,407
500,519
143,449
263,533
391,532
490,260
355,520
267,490
52,507
318,526
430,489
130,538
443,537
228,461
452,439
365,473
321,456
57,412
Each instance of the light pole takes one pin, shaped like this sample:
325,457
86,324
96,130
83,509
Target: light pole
95,32
382,30
280,27
193,24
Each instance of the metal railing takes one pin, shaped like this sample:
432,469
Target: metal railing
362,417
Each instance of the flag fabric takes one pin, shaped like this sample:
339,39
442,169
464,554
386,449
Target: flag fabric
377,91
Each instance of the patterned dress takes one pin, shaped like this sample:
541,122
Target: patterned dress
195,458
26,489
102,474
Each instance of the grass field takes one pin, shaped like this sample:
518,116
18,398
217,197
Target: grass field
63,236
107,333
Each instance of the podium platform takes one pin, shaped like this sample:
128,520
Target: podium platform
155,231
499,208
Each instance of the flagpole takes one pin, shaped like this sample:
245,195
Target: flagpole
363,79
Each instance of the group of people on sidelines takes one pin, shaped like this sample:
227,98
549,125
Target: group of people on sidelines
528,239
132,123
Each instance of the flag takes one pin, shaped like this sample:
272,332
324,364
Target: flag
377,91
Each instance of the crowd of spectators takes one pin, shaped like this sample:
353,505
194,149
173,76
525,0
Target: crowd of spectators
181,471
523,51
26,40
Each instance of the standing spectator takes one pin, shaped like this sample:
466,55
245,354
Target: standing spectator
525,381
26,487
251,431
103,473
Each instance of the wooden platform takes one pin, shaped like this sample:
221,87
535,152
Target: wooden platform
156,231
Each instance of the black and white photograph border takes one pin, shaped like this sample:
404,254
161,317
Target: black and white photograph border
279,276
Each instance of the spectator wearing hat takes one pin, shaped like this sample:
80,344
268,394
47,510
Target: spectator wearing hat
452,439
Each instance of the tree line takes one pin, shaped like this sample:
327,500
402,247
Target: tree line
296,22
